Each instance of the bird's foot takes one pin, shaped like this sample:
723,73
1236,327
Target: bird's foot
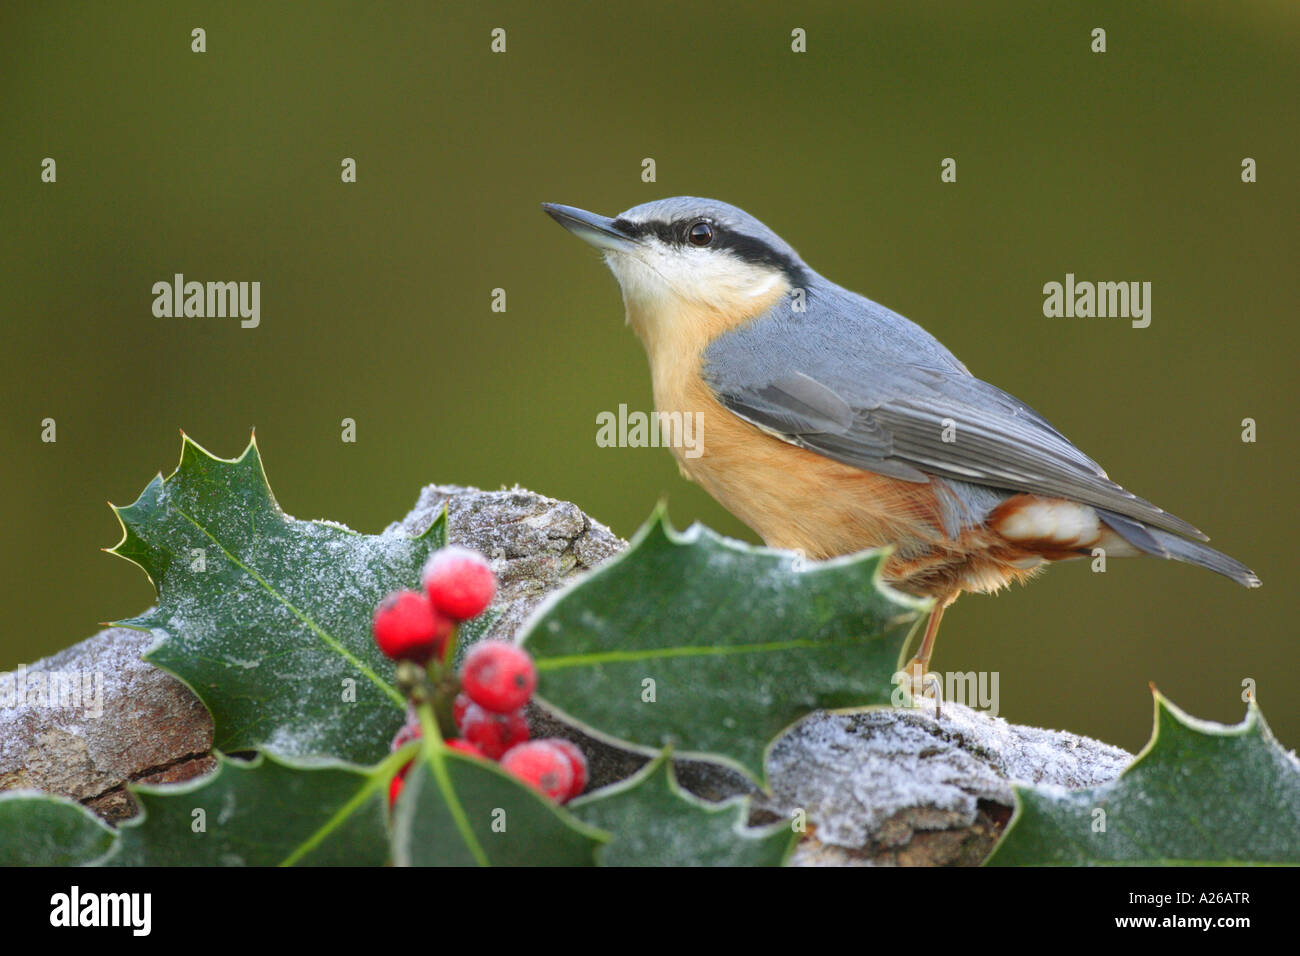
924,685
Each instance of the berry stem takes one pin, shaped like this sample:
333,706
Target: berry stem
444,699
449,653
429,725
446,686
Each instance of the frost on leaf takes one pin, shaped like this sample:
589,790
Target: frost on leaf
266,617
1199,793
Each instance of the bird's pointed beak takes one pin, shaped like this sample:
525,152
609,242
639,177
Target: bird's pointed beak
600,231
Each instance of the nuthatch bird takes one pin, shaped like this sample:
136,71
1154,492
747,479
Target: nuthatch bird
833,424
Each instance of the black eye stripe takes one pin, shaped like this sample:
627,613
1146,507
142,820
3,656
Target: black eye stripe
664,231
744,247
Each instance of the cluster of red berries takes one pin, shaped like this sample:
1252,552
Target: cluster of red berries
497,680
494,685
458,585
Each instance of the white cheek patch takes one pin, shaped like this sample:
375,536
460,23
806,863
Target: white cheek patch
658,274
767,283
1065,523
729,280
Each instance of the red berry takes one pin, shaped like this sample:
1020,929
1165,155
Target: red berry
459,582
458,708
577,760
465,747
493,734
395,785
409,732
543,766
408,628
498,676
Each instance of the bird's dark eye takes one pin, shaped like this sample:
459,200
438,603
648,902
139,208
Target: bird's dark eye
700,234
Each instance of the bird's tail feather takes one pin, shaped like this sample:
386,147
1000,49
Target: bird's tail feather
1163,544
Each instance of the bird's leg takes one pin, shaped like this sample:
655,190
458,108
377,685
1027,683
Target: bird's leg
918,666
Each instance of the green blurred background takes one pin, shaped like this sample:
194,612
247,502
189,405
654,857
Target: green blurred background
376,296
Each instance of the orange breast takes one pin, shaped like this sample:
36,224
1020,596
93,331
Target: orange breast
800,500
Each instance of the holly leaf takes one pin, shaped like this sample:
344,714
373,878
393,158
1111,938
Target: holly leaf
1199,793
714,646
266,617
454,810
458,810
263,812
37,829
655,822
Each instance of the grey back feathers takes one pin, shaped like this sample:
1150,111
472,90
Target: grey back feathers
860,384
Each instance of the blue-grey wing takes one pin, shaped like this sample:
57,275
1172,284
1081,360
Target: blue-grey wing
857,383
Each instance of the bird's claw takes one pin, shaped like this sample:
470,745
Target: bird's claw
925,685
